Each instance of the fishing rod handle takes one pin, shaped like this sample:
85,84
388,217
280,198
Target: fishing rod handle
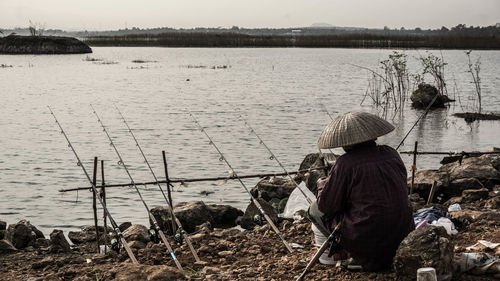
128,250
320,251
190,244
315,259
268,219
188,240
171,252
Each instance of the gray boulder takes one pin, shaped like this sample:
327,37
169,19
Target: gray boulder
87,234
59,242
124,226
453,178
424,95
429,246
471,195
313,160
224,216
247,220
136,232
23,234
190,214
273,187
6,247
193,214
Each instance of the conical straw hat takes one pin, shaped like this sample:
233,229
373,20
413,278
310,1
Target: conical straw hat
352,128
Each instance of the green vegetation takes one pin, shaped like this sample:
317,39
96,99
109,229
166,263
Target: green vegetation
461,37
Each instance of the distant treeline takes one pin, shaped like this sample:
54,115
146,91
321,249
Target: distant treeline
457,37
345,40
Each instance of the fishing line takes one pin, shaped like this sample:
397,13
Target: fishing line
273,157
256,203
112,221
122,163
181,230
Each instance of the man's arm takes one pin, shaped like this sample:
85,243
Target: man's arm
332,191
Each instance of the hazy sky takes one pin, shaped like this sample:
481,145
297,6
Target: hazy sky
115,14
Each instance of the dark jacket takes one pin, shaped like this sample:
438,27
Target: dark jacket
367,186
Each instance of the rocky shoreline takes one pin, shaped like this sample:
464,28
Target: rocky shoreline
253,252
22,45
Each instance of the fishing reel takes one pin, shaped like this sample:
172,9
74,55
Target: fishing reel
153,235
115,245
259,219
179,236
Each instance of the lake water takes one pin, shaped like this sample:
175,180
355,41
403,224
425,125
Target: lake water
278,90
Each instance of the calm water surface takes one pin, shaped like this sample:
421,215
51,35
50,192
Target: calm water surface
278,90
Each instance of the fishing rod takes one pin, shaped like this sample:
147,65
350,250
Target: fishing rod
416,122
273,157
181,232
256,203
320,251
155,223
120,239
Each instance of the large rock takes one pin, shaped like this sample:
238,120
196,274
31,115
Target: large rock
190,214
312,161
133,272
453,178
273,187
472,195
137,232
59,242
429,246
2,234
480,168
3,225
87,234
193,214
15,44
6,247
224,216
247,221
23,234
424,95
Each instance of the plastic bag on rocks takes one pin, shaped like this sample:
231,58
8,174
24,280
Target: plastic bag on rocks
480,263
447,224
428,214
297,202
454,207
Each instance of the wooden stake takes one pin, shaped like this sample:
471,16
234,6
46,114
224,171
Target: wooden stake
431,194
94,204
413,167
103,196
174,228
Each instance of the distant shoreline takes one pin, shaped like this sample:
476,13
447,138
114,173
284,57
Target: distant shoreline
348,40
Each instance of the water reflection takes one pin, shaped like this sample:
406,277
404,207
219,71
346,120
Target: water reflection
276,90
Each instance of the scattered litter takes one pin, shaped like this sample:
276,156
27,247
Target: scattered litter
454,208
423,223
447,224
480,263
89,260
296,246
428,214
482,245
426,273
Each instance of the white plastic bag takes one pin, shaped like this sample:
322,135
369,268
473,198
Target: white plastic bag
447,224
297,201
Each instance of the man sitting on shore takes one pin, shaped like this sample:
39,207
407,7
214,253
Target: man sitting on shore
366,190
